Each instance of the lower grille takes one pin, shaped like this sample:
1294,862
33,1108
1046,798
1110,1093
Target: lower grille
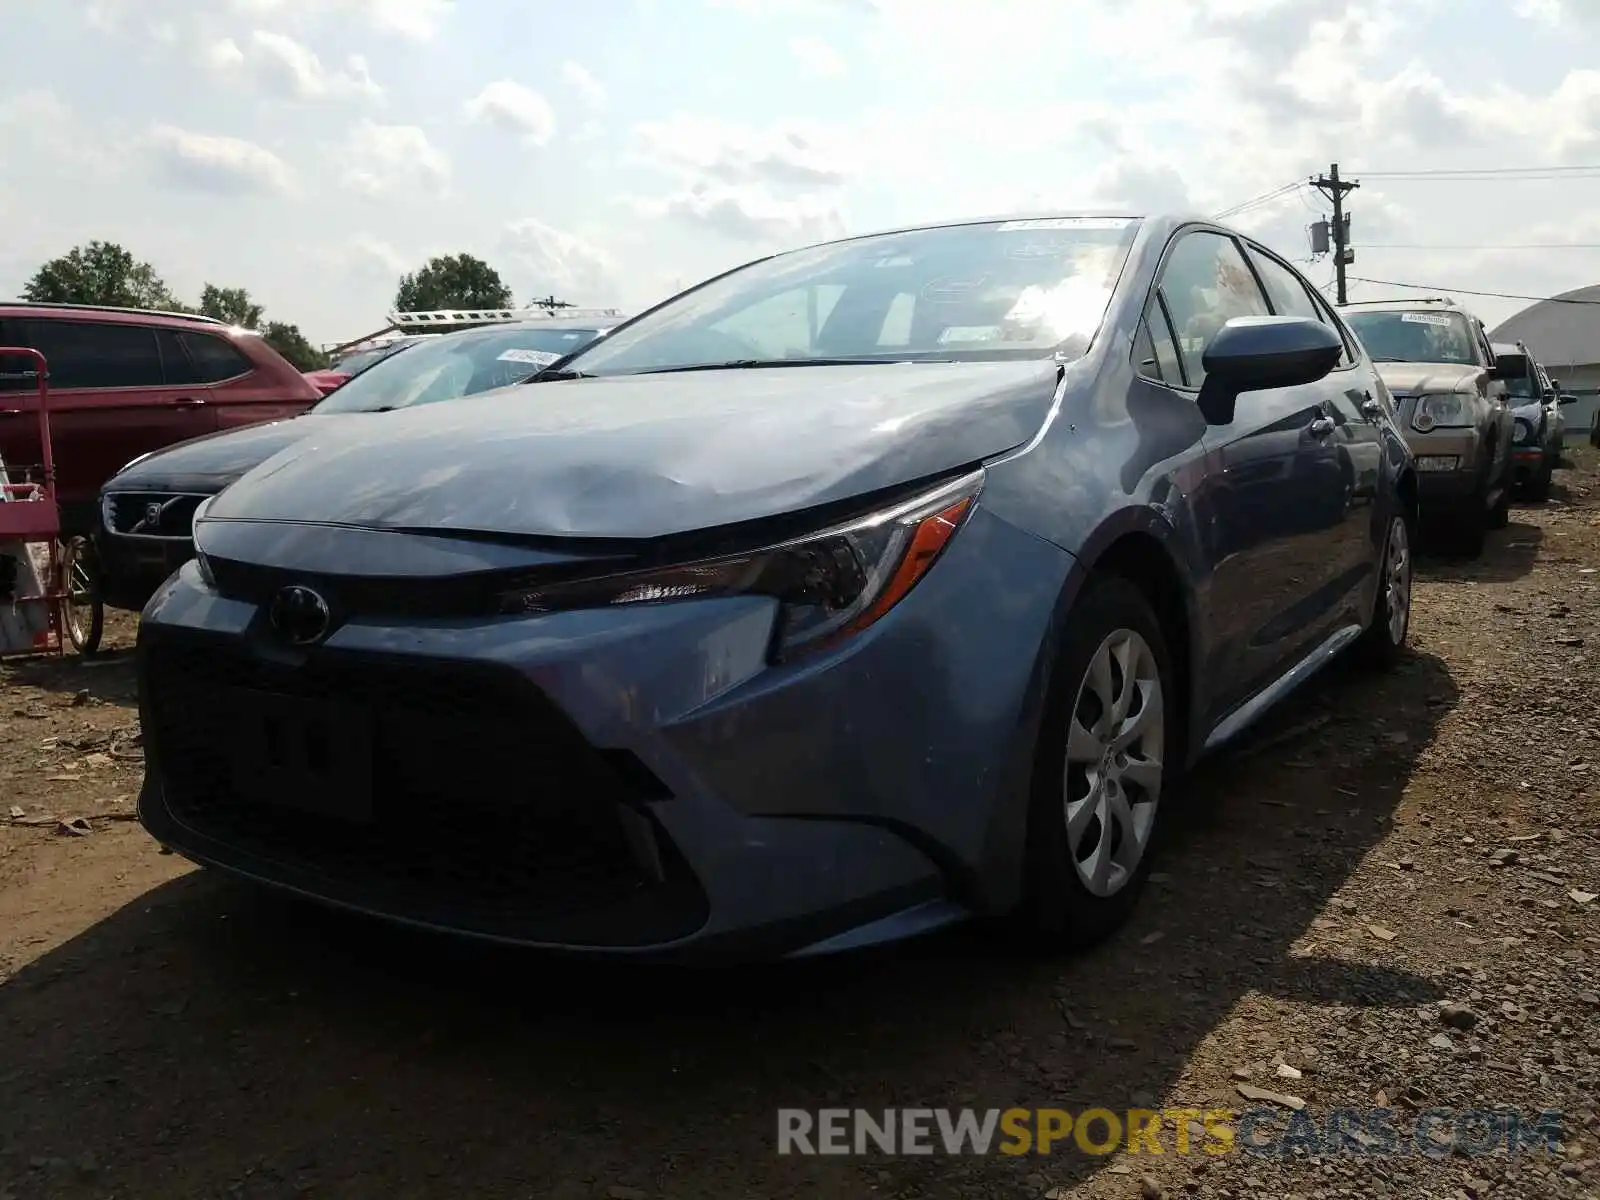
489,812
151,514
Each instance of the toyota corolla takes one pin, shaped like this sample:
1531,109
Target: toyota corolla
863,589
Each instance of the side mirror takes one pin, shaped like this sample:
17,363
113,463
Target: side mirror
1252,354
1568,399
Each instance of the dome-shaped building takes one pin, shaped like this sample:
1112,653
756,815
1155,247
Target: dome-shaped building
1564,334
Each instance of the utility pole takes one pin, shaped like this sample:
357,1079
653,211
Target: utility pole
1335,188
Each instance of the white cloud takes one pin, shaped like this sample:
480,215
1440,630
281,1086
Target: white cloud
793,154
514,108
585,84
750,213
419,20
385,159
290,70
816,57
223,166
552,261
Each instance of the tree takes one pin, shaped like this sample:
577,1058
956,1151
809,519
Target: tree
288,341
99,273
452,281
232,305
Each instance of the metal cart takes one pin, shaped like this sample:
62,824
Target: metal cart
48,596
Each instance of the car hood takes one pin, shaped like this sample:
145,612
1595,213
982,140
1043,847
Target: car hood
1414,379
1531,411
651,455
213,461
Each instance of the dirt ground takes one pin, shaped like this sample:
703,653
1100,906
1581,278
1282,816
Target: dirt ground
1383,851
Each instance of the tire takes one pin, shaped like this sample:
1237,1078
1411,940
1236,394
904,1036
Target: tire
1539,483
1383,642
83,612
1069,904
1500,515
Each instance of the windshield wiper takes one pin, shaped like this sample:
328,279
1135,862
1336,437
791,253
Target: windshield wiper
747,364
547,375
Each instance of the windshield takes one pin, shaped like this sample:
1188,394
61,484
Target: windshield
354,364
1426,337
1519,386
1012,289
454,365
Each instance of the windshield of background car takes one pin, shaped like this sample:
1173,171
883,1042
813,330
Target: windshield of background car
1519,383
354,364
1003,289
1409,336
454,365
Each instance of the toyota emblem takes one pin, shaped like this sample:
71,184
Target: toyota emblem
299,615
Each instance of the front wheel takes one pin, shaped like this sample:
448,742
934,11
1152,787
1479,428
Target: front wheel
83,613
1107,747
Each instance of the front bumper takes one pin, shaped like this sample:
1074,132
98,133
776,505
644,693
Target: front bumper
131,569
633,781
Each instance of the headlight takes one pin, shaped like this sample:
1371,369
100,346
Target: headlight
1521,433
1448,410
200,560
830,585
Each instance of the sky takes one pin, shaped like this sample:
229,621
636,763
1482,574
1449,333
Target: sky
615,151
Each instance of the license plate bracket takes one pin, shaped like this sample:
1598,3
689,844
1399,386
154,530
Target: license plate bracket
293,752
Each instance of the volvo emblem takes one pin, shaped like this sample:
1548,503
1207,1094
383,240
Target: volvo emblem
299,615
152,512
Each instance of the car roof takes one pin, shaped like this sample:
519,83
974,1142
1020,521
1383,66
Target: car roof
113,314
1409,303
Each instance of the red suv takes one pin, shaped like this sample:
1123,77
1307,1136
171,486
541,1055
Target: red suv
124,382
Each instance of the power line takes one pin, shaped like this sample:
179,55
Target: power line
1429,287
1478,246
1257,201
1552,172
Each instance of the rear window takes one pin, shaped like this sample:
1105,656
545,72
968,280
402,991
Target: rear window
215,359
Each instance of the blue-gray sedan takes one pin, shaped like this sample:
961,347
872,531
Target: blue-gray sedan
856,591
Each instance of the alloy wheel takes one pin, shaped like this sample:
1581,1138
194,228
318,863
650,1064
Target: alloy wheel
1397,581
1115,745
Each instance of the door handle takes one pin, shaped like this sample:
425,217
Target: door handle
1322,427
188,402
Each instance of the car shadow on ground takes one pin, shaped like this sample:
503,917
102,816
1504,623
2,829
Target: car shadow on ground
1508,555
207,1038
107,676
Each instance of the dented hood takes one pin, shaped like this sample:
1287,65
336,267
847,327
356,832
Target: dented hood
650,455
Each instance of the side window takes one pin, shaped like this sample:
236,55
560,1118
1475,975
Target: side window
83,354
214,358
1154,352
1347,357
175,364
16,374
1288,294
1206,283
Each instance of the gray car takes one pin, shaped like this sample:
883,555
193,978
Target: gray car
1436,359
859,590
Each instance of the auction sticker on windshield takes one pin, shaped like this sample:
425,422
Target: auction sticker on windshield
1066,223
1426,319
539,358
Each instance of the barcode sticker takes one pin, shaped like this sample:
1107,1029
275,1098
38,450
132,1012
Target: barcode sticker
538,358
1415,318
